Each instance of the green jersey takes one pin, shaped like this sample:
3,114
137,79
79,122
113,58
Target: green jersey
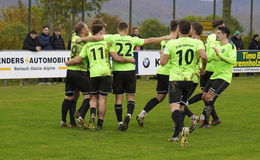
224,65
164,70
97,54
183,58
75,51
211,42
124,46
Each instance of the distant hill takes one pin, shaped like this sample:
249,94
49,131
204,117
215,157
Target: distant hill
162,9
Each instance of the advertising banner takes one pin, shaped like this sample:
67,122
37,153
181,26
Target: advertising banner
26,64
147,63
247,61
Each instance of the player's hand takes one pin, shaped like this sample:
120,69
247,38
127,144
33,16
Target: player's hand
38,48
67,63
79,40
202,71
161,51
131,60
216,51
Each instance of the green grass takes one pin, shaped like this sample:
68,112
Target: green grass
30,115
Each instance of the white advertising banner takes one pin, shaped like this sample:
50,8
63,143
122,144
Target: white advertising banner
148,61
26,64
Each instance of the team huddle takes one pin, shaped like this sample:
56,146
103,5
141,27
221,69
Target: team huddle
184,62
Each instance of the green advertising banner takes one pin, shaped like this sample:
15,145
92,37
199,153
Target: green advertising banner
247,61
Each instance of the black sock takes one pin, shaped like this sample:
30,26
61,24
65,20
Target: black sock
177,118
214,114
93,110
209,108
187,111
119,111
84,108
183,115
151,104
130,107
195,98
72,110
65,109
100,122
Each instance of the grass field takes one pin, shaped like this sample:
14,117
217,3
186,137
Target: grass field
30,116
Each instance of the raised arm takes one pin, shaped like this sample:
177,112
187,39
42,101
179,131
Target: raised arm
118,58
90,38
157,40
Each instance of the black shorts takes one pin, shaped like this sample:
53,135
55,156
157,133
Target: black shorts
100,85
217,86
162,84
193,88
179,91
76,80
204,79
124,82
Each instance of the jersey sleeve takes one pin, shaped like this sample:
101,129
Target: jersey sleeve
74,38
167,49
163,45
108,37
111,47
83,52
138,41
231,56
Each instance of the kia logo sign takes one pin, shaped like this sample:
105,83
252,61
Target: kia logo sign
146,62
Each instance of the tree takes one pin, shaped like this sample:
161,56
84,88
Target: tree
111,22
12,36
153,28
226,12
65,13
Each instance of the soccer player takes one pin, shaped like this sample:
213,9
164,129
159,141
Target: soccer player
162,80
196,31
182,54
211,42
97,54
225,58
77,79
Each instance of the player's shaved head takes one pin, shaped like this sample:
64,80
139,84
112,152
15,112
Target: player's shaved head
122,26
174,25
184,27
197,27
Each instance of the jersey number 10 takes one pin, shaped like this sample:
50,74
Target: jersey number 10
189,56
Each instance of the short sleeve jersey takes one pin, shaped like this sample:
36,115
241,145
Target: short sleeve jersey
75,51
163,70
183,58
124,46
211,42
222,69
97,54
